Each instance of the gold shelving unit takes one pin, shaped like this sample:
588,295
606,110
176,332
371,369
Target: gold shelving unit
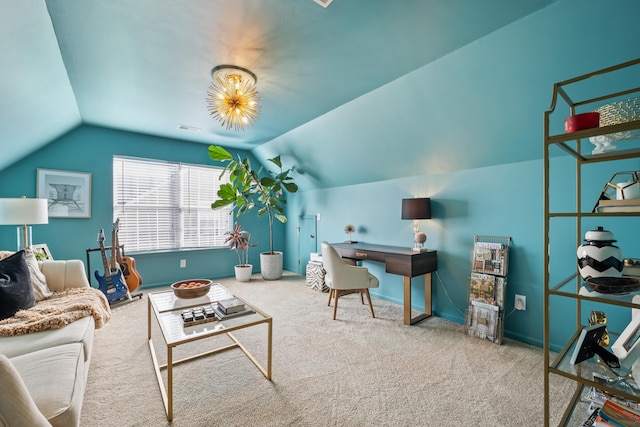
562,282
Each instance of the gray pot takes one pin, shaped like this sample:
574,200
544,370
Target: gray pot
271,265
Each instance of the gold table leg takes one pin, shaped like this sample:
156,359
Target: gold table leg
408,320
169,383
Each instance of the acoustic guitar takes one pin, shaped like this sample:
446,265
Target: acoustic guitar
112,283
127,263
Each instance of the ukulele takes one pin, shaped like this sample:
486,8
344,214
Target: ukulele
112,283
127,263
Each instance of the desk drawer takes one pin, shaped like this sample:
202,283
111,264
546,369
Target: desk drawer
411,266
360,254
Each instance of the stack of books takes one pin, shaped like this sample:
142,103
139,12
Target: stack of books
231,307
626,205
607,410
613,414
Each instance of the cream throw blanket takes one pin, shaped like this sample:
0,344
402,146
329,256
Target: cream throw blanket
59,310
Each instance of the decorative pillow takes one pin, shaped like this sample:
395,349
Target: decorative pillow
16,292
40,289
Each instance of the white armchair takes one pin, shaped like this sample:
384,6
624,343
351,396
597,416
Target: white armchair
342,278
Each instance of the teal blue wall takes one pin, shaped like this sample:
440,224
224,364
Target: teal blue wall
466,128
91,149
505,200
499,201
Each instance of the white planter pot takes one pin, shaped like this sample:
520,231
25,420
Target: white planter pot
243,272
271,265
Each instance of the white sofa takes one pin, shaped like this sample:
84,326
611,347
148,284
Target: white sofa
45,373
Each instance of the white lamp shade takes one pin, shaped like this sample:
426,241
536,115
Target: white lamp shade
24,211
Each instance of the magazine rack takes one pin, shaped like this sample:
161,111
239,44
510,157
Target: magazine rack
487,283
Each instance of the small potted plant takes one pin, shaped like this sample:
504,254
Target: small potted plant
239,240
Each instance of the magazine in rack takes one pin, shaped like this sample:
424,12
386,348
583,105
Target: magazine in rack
490,258
487,283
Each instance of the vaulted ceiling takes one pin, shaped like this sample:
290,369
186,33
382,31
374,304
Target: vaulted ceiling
144,65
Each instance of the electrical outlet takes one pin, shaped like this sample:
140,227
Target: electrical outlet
520,302
183,263
318,216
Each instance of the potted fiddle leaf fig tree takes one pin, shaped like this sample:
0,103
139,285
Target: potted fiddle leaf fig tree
262,189
240,241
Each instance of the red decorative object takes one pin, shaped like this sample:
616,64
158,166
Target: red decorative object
582,121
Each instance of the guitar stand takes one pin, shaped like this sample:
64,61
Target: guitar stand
130,296
127,298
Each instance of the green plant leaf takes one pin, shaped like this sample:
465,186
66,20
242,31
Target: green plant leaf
276,161
281,218
219,154
220,203
227,192
267,181
291,187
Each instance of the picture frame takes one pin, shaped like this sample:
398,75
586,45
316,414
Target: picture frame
627,346
68,193
588,345
42,252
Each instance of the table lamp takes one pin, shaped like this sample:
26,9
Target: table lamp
24,211
415,209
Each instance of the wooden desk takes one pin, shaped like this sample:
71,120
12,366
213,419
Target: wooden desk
401,261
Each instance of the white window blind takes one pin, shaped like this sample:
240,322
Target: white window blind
167,205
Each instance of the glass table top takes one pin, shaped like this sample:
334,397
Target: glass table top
168,310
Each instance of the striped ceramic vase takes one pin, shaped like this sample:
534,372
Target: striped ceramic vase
599,257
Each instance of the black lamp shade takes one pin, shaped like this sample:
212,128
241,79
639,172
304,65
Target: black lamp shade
416,208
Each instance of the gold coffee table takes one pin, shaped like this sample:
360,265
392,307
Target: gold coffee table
167,310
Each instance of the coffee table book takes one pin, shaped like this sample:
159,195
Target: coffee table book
222,316
231,305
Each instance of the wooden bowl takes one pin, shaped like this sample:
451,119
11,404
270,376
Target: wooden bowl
614,285
198,288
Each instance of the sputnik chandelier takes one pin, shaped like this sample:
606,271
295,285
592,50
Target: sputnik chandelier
232,97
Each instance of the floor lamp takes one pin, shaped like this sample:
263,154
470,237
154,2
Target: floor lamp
22,212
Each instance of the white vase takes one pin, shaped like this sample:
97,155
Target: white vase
243,272
271,265
599,257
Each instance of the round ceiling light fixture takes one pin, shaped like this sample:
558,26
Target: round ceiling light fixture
232,97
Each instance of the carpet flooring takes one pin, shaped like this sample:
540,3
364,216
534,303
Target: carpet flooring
353,371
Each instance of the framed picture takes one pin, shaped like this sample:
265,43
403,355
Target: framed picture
588,345
68,193
42,252
627,346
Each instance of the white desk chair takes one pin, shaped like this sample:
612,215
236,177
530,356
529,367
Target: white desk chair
342,278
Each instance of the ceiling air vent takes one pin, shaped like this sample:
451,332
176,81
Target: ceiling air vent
323,3
188,128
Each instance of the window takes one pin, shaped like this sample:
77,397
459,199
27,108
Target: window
167,205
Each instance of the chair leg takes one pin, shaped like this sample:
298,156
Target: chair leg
331,291
335,304
361,292
370,305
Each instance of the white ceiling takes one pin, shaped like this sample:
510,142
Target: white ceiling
144,65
